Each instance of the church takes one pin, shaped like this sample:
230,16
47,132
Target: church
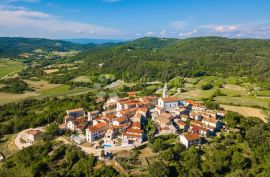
166,102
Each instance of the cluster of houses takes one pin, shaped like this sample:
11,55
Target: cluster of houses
119,124
122,119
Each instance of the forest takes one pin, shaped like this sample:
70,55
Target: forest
166,58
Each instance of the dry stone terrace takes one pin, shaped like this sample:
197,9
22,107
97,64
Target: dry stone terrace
121,123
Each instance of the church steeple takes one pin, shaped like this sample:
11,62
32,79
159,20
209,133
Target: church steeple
165,91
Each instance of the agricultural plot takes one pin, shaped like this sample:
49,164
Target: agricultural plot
9,67
247,111
10,97
85,79
41,85
244,101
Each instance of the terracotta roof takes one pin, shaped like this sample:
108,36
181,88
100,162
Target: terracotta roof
198,127
32,132
136,125
121,119
171,99
192,136
190,101
181,123
145,110
212,120
121,125
97,126
134,131
196,122
133,135
79,120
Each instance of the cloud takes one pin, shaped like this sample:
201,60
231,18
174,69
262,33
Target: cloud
177,25
163,33
253,30
187,34
222,28
17,22
150,33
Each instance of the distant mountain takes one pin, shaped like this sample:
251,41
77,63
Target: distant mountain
95,41
167,58
13,46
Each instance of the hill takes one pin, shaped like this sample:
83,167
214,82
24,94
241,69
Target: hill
149,58
12,47
95,41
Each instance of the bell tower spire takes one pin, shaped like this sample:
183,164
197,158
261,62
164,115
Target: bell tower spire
165,91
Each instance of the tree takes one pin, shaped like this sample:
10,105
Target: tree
158,145
39,168
158,169
239,161
52,129
217,162
105,172
232,119
256,135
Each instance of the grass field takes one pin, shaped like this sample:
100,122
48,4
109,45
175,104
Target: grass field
8,67
244,101
247,111
41,85
197,94
86,79
232,92
10,97
43,90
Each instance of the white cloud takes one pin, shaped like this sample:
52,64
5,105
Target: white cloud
139,34
186,34
163,33
150,33
222,28
29,23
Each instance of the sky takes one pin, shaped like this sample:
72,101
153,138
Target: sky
131,19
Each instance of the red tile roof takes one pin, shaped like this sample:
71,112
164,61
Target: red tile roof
192,136
97,126
171,99
32,132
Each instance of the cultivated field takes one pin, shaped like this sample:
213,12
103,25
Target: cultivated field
82,79
41,85
247,111
10,97
9,67
244,101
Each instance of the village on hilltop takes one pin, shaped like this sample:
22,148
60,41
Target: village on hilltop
122,119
